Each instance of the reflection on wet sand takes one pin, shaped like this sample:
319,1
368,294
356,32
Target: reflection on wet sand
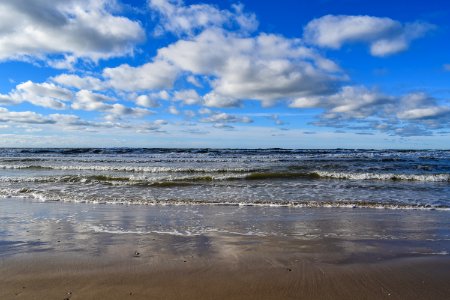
227,232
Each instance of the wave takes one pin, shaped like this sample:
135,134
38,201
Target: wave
385,176
369,153
138,169
350,176
40,196
169,181
197,176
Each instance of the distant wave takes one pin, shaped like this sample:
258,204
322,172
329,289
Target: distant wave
336,153
128,168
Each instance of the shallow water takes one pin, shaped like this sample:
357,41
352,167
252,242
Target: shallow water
273,177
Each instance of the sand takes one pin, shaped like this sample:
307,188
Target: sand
61,278
53,251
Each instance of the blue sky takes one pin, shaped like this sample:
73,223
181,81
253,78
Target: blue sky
168,73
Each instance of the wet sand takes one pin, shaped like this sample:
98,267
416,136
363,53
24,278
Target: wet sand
85,251
47,278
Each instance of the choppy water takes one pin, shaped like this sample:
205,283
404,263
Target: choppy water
329,178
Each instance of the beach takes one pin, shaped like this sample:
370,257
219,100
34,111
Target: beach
105,223
222,149
57,250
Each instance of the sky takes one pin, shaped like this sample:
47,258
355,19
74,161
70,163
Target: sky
225,74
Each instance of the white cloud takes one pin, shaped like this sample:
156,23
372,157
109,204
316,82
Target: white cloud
173,110
120,110
147,101
28,121
42,94
67,62
181,19
222,118
420,106
160,122
357,107
150,76
446,67
27,117
149,127
385,36
194,81
214,99
77,28
189,97
425,113
82,83
350,102
266,68
152,99
205,111
89,101
8,100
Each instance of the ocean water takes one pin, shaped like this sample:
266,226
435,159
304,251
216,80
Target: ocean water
390,179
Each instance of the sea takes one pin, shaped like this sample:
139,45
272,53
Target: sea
348,178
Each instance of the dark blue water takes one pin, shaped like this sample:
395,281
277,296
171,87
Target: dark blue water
356,178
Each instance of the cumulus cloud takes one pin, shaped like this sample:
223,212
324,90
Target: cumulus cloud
194,81
7,100
189,97
89,101
27,117
119,111
154,126
350,102
384,35
153,75
425,113
420,106
152,99
359,108
42,94
173,110
223,118
180,19
266,67
77,28
214,99
147,101
82,83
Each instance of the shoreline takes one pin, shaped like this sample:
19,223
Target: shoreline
278,204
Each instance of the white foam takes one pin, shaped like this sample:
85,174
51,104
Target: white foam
126,168
384,176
